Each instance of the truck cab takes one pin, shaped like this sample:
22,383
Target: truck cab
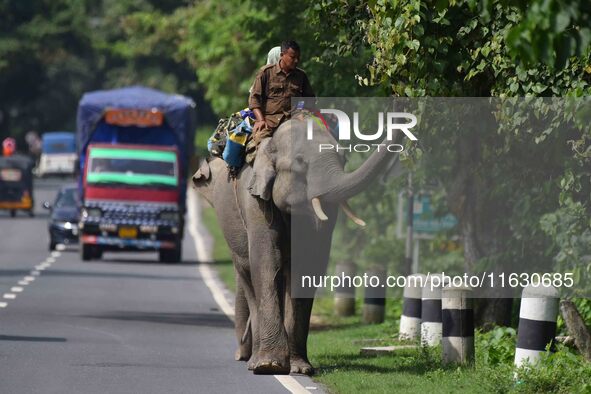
131,200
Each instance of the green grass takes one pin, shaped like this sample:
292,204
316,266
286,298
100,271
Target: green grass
335,351
335,342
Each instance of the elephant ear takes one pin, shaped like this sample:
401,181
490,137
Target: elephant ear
203,173
263,170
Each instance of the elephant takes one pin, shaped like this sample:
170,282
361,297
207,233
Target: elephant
291,185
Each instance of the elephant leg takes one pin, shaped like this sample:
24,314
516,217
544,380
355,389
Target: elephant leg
297,318
242,324
268,283
309,254
244,334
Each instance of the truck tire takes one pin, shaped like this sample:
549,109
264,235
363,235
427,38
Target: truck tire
170,256
97,253
86,252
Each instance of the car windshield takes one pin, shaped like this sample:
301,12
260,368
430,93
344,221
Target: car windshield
67,198
132,167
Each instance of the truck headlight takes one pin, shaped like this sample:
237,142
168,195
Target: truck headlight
172,216
91,212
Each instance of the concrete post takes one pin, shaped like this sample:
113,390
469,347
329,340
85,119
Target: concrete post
344,298
410,321
374,302
431,312
457,322
537,323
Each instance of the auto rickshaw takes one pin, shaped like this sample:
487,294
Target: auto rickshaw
16,184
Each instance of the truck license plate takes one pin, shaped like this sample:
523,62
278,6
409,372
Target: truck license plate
128,232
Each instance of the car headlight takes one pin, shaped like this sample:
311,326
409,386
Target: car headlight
172,216
65,225
91,212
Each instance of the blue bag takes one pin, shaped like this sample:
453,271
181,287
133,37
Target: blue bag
234,153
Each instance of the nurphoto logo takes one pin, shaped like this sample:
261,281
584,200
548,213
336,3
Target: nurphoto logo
344,131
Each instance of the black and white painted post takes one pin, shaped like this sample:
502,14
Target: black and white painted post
431,311
537,323
374,302
457,323
344,298
410,321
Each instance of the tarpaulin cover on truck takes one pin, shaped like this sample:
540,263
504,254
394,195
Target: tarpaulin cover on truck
179,115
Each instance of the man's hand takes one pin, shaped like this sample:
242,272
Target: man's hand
259,125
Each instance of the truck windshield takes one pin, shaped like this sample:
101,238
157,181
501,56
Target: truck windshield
139,167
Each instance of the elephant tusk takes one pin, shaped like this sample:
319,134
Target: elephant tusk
318,209
351,215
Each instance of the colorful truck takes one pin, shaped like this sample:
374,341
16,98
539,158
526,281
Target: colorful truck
134,146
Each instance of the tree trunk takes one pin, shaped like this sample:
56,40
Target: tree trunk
464,200
576,327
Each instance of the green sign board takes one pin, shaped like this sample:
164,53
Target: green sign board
424,220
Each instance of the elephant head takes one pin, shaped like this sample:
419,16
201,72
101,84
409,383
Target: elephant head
300,177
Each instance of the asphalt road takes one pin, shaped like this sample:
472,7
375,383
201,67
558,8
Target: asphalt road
124,324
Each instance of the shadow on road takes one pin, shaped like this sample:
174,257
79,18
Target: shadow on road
30,339
113,275
146,261
188,319
14,272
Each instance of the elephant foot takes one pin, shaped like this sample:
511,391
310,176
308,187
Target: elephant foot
271,367
300,366
242,355
252,362
269,364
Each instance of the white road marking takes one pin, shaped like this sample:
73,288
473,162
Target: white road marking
9,296
60,247
204,247
35,273
204,255
3,304
311,388
29,278
23,282
16,289
50,260
55,254
291,384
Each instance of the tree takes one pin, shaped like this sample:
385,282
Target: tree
456,49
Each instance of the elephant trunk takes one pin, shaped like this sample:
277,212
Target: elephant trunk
346,185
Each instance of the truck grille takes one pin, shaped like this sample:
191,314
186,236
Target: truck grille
131,214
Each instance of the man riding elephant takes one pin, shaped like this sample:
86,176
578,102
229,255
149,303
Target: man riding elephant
273,89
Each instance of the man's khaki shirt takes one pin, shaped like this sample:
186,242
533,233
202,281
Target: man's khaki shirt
273,89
